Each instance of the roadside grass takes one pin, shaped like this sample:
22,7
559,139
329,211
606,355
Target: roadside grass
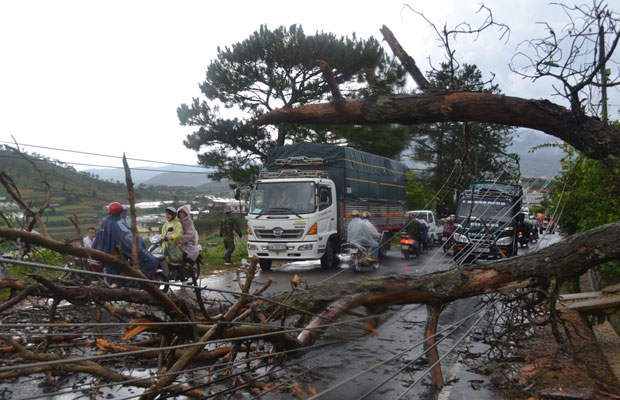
19,272
213,250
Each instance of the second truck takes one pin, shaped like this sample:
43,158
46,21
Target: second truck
487,221
301,205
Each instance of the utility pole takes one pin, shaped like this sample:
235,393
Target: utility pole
601,42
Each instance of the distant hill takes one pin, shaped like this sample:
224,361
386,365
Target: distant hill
188,178
74,193
540,163
171,175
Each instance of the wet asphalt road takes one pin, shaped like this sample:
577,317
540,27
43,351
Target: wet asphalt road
399,331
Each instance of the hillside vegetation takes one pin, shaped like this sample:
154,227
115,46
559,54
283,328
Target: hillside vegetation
74,192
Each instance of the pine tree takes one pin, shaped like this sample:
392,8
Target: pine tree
279,68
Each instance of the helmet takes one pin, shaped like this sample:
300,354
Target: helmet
365,214
172,211
355,213
125,207
114,208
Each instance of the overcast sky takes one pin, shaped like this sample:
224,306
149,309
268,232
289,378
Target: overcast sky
107,76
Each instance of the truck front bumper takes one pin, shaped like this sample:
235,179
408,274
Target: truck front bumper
484,252
296,251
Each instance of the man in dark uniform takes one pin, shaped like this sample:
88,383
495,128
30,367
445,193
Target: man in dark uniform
228,227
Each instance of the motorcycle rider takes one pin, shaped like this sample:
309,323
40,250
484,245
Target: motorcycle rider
124,221
425,237
172,230
365,234
448,228
415,229
189,239
112,240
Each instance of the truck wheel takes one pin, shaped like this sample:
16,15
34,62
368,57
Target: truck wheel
328,259
265,265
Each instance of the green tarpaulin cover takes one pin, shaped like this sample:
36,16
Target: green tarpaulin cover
358,175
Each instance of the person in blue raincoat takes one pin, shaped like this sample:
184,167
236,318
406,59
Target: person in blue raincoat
110,236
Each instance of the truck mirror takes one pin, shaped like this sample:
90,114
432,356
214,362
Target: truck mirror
237,194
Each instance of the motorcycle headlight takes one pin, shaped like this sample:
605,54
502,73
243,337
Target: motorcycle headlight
459,237
505,241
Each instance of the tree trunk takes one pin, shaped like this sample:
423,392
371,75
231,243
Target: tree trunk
590,135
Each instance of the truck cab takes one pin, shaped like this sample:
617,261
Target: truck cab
486,221
293,217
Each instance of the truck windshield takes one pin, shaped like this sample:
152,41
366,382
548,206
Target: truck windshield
491,210
283,198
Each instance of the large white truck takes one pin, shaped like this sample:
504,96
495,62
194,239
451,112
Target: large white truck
301,205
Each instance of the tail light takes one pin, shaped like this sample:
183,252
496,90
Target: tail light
407,241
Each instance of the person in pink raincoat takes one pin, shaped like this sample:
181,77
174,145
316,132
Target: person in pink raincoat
190,235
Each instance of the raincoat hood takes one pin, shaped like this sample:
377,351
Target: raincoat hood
187,209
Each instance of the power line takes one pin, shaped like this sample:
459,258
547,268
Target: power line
99,155
110,166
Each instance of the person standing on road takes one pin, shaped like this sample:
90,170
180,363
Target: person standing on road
362,232
228,227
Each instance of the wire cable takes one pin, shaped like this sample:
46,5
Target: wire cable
400,354
443,356
99,154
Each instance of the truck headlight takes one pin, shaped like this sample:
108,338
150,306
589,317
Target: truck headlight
505,241
305,247
459,237
252,247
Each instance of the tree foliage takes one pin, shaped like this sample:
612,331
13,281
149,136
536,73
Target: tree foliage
458,153
279,68
586,192
417,195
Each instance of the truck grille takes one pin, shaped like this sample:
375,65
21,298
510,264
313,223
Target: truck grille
287,234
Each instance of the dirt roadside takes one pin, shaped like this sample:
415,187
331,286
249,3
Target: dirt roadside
543,369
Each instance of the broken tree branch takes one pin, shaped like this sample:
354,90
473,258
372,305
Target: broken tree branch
405,59
602,140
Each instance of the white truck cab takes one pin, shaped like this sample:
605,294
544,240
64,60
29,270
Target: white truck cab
293,215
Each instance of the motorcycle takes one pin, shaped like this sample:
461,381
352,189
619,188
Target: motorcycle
534,234
409,246
527,233
523,239
173,272
448,237
355,255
